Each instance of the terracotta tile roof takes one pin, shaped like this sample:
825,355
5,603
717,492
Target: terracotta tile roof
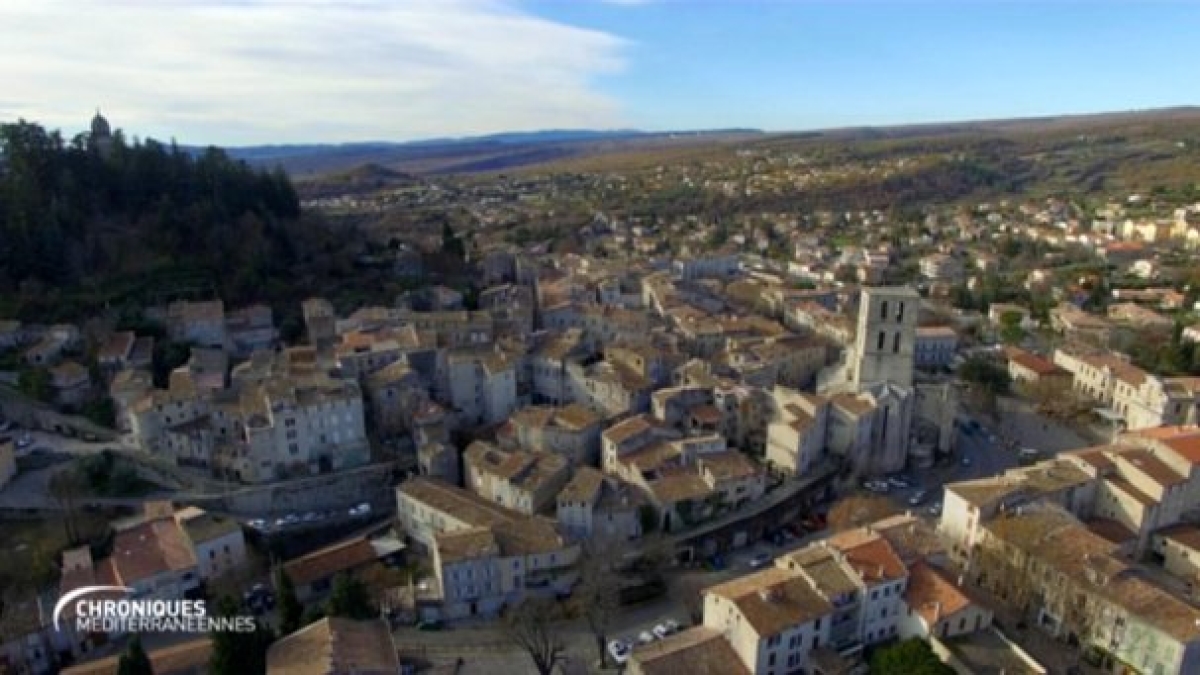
469,544
326,562
1153,467
680,487
627,429
149,549
1111,530
871,556
335,645
852,404
773,600
694,651
585,486
1032,362
932,595
1185,534
178,659
1185,441
728,465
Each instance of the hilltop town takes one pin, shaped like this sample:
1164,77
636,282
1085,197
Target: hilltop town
743,405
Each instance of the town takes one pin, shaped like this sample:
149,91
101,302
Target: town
650,418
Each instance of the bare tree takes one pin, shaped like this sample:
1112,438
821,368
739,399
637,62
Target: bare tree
597,597
533,626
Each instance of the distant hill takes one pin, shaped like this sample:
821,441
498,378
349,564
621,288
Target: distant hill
495,152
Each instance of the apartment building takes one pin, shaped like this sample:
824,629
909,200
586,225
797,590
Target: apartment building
198,323
1077,586
598,508
482,386
1137,398
934,346
571,431
485,557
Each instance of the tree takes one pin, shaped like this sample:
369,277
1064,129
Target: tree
350,599
910,657
36,384
290,611
236,653
1010,328
858,510
533,627
101,411
134,660
597,596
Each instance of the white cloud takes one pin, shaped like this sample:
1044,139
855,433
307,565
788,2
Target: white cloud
251,71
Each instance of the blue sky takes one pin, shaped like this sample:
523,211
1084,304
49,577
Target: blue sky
273,71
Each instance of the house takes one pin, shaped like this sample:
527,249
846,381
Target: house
697,651
934,346
1031,370
1179,548
773,619
483,386
937,607
313,573
250,329
199,323
335,646
114,354
572,431
526,482
485,557
601,508
217,541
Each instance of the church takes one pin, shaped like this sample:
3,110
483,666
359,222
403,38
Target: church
868,409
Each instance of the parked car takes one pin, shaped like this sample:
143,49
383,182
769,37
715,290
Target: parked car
646,637
759,561
898,482
965,461
25,441
917,498
257,524
619,650
665,628
429,625
935,509
363,509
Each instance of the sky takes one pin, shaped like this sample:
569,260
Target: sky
243,72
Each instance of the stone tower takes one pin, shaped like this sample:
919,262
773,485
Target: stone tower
883,346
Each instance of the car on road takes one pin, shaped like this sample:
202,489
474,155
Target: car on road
917,498
257,524
665,628
646,637
619,650
759,561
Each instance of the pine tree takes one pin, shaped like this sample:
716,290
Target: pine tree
134,660
350,599
290,611
238,653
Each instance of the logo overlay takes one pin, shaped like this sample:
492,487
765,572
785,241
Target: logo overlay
116,612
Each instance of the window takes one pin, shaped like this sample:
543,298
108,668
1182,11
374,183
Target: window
900,313
883,310
880,342
875,594
773,641
896,344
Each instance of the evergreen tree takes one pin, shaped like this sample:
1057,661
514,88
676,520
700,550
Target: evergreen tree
134,660
238,653
288,606
350,599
